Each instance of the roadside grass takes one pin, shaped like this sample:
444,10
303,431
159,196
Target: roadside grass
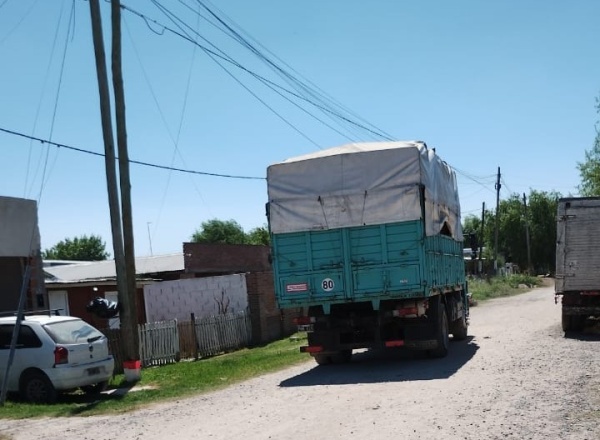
482,289
169,382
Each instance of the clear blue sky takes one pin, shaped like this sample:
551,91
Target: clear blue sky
509,84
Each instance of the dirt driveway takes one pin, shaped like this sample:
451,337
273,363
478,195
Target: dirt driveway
517,377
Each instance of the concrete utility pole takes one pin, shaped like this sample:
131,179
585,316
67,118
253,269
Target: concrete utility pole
498,186
527,235
128,312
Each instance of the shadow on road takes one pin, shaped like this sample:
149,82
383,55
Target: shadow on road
388,366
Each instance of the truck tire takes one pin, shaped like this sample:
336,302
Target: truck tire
340,357
322,359
442,331
459,329
572,323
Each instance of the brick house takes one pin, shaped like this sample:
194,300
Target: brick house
172,286
72,285
268,321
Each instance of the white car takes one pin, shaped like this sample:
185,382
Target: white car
53,354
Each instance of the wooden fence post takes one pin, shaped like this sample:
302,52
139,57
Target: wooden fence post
195,336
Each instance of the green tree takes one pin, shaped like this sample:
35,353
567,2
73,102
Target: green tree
589,169
512,242
471,225
542,208
220,231
82,248
259,235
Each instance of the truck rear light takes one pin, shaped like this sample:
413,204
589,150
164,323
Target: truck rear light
397,343
311,349
406,312
61,355
304,320
411,309
590,293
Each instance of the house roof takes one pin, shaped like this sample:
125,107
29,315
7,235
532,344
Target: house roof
103,270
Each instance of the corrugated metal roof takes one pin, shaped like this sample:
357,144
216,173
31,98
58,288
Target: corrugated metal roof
98,270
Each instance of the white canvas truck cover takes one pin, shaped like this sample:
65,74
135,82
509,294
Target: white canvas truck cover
363,184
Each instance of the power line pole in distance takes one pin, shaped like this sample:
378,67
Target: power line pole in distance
498,186
527,235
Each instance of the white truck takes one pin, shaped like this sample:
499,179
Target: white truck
578,260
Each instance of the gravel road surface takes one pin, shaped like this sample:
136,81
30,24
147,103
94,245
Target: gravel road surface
516,377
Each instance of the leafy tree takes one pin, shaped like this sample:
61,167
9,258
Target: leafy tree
542,208
471,224
82,248
220,231
589,169
259,235
512,243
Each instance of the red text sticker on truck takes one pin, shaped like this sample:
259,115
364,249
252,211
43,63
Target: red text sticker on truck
295,288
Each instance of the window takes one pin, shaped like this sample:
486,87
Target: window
27,337
72,332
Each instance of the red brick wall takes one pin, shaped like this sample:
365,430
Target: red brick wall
213,259
268,321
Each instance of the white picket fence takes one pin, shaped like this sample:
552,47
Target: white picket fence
159,341
220,333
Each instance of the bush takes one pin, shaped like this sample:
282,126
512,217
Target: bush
495,287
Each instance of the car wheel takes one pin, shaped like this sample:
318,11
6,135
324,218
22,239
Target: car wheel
96,388
37,388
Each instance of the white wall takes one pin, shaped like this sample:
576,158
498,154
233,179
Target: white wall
201,296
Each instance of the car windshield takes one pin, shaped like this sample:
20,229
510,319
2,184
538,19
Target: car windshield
72,332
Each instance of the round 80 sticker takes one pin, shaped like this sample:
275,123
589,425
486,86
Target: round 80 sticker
327,284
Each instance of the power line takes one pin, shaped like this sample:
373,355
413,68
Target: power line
137,162
212,55
224,57
300,86
44,179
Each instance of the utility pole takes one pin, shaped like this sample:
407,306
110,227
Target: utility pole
527,235
109,146
479,265
128,311
498,186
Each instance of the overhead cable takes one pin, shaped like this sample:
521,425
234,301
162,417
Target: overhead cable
137,162
229,60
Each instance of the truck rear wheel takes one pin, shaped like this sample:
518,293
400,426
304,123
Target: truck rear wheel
340,357
442,333
459,329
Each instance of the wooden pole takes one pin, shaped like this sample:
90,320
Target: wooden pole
130,321
481,236
109,146
527,235
498,186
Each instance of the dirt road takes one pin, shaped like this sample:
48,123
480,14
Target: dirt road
517,377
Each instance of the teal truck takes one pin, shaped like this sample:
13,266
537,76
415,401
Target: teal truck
366,238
